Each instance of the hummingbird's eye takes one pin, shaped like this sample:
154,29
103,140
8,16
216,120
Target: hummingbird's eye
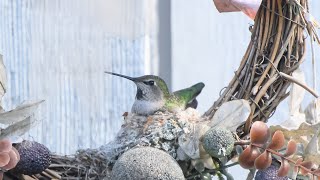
150,83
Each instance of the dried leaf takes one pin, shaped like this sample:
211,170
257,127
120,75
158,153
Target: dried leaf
20,113
3,78
206,158
259,133
4,158
292,174
300,135
296,93
316,172
198,165
295,99
17,152
298,162
181,155
231,114
251,174
238,149
190,142
306,164
248,156
284,168
13,160
291,148
263,161
313,112
313,145
18,129
277,141
5,145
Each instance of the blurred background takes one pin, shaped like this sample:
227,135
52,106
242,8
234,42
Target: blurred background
58,50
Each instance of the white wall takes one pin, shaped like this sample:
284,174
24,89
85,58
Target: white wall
58,51
207,46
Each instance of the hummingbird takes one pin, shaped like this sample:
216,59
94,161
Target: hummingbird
153,95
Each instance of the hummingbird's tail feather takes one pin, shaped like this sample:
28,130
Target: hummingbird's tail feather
188,95
120,75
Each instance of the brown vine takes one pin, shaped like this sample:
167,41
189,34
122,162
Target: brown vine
277,47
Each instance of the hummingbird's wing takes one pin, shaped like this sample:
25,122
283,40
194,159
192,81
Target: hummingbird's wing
188,96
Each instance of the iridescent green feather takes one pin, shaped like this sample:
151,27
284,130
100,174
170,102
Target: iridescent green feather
180,99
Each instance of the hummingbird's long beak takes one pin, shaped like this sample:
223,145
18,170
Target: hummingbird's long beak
120,75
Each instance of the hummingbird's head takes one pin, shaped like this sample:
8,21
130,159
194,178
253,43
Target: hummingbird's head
149,87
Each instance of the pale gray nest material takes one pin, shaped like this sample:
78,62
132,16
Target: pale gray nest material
160,130
163,131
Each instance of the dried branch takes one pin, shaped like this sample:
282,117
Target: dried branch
303,85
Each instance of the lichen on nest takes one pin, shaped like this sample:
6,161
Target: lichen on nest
161,130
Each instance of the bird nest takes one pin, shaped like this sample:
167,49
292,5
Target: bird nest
276,49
